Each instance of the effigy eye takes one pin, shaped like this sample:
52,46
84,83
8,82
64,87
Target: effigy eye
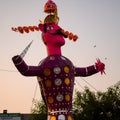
50,28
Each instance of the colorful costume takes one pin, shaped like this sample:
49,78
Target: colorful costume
56,73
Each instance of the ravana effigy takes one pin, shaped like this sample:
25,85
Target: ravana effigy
55,73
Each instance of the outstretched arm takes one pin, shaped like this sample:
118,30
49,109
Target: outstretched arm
86,71
90,70
24,69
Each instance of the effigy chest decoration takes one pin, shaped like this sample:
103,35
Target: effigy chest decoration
58,82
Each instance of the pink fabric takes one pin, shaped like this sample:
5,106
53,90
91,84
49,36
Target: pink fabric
100,66
54,41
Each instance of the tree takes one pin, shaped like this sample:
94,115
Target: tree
86,106
101,105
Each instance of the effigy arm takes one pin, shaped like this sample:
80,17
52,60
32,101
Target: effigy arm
90,70
23,68
86,71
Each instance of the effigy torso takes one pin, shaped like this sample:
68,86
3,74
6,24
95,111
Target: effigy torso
57,84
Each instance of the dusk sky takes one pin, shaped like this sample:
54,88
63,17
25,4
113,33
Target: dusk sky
96,22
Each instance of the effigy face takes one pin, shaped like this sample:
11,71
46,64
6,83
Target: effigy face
57,82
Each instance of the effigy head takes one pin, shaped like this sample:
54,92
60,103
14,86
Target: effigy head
52,34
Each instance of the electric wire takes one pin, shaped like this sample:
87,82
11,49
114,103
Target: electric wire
79,84
34,95
89,84
6,70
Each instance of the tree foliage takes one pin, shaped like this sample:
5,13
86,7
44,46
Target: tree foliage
101,105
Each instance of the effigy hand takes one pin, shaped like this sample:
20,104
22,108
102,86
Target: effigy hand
100,66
